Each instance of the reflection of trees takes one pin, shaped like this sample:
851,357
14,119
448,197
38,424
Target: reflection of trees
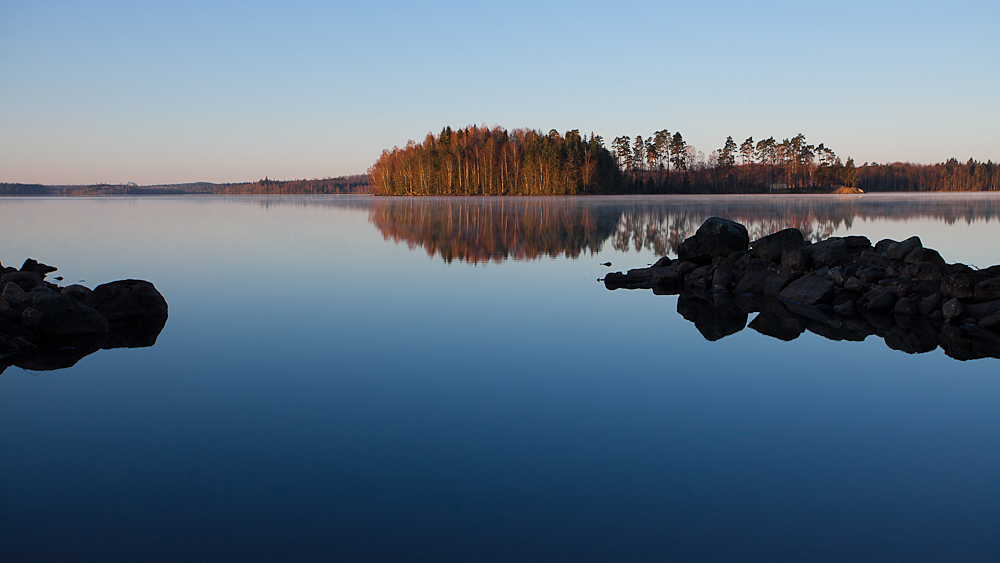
483,229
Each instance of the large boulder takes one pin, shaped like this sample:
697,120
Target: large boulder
126,300
715,237
987,290
900,250
830,254
772,246
53,314
809,290
961,285
25,280
921,254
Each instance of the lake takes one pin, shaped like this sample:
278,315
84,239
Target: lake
367,379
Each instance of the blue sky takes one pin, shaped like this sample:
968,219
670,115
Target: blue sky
163,92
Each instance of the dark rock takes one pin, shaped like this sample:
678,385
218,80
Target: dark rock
846,307
982,310
957,268
857,242
952,308
926,287
930,304
743,261
883,245
775,282
907,306
796,260
961,285
722,280
661,263
685,268
615,280
855,285
712,322
127,299
667,276
752,281
836,275
990,321
871,275
54,314
77,291
921,254
987,290
25,280
830,253
809,290
40,269
715,237
900,250
773,246
880,300
922,271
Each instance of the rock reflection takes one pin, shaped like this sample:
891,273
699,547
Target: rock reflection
61,353
717,316
480,230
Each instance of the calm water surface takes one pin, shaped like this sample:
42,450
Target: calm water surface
359,379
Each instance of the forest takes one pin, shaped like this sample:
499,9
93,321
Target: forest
492,161
484,161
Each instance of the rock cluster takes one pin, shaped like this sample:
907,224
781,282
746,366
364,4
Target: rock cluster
843,288
45,326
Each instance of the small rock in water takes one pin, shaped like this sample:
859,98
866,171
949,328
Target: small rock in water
608,264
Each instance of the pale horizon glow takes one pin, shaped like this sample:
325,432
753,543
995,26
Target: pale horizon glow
163,93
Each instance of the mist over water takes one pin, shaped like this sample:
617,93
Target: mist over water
358,378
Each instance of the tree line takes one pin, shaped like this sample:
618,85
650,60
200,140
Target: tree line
494,161
665,163
950,176
356,184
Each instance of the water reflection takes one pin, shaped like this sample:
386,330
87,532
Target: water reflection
495,229
717,316
60,353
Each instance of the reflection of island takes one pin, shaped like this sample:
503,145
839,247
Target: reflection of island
496,229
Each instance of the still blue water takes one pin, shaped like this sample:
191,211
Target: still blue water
332,385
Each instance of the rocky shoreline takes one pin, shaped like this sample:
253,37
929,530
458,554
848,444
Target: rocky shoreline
842,288
44,326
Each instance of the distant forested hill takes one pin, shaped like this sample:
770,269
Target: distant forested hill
24,189
356,184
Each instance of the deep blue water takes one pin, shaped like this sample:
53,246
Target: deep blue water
330,386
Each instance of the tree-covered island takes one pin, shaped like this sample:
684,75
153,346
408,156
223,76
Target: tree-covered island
493,161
